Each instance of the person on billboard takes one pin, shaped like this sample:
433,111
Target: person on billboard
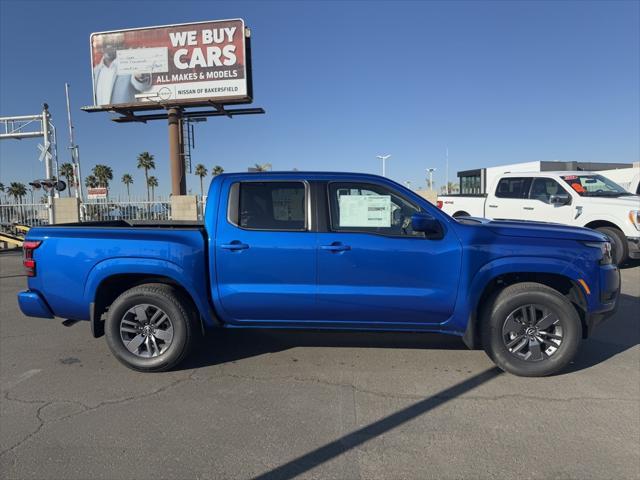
111,88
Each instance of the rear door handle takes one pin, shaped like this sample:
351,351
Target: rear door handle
493,206
235,245
336,247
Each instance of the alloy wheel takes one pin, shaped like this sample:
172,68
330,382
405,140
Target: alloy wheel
532,332
146,330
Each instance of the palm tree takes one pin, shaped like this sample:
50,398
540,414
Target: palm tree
91,181
1,191
201,171
153,183
217,170
127,180
103,173
17,190
66,170
262,167
145,160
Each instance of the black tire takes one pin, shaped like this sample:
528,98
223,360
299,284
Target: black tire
619,247
461,214
179,321
546,304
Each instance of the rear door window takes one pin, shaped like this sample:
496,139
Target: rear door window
271,206
513,187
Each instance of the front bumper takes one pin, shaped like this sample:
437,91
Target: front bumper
634,247
607,302
32,304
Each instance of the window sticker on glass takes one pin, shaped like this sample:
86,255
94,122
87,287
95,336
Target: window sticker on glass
365,211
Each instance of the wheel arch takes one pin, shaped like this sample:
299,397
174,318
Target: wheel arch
593,224
461,213
110,278
563,284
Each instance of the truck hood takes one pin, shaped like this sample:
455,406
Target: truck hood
528,229
632,202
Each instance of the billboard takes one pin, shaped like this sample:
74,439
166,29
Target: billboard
186,64
97,192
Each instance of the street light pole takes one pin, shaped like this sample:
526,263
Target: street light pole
383,158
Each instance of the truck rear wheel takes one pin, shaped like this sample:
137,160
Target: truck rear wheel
619,247
531,330
149,329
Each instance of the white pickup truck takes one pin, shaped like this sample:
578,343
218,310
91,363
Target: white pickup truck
581,199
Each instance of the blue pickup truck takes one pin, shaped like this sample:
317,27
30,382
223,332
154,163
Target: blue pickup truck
300,250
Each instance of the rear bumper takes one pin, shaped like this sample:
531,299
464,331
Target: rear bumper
33,305
634,247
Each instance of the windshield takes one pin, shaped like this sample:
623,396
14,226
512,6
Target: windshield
594,186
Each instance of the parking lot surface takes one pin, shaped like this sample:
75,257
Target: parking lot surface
259,404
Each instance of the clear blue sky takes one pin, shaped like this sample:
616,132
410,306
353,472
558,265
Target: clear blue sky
496,82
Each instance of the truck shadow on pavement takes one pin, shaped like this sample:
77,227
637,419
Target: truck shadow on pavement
331,450
229,345
614,336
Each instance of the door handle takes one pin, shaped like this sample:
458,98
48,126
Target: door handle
336,247
527,208
235,245
493,206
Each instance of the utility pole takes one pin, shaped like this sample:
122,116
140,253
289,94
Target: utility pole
447,170
75,153
383,158
430,173
47,156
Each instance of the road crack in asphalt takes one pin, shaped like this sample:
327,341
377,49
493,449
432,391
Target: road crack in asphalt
295,378
84,408
409,396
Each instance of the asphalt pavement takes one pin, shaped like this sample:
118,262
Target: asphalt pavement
282,405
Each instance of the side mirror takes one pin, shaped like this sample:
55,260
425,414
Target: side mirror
560,198
431,227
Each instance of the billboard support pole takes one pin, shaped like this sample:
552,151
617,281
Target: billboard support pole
178,180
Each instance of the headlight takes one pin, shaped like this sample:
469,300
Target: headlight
634,217
605,250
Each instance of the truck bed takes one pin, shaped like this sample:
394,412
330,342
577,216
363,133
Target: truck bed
72,259
133,224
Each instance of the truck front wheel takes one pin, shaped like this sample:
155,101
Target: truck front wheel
619,247
149,329
531,330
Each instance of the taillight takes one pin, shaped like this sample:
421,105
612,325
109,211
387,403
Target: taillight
28,261
439,204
